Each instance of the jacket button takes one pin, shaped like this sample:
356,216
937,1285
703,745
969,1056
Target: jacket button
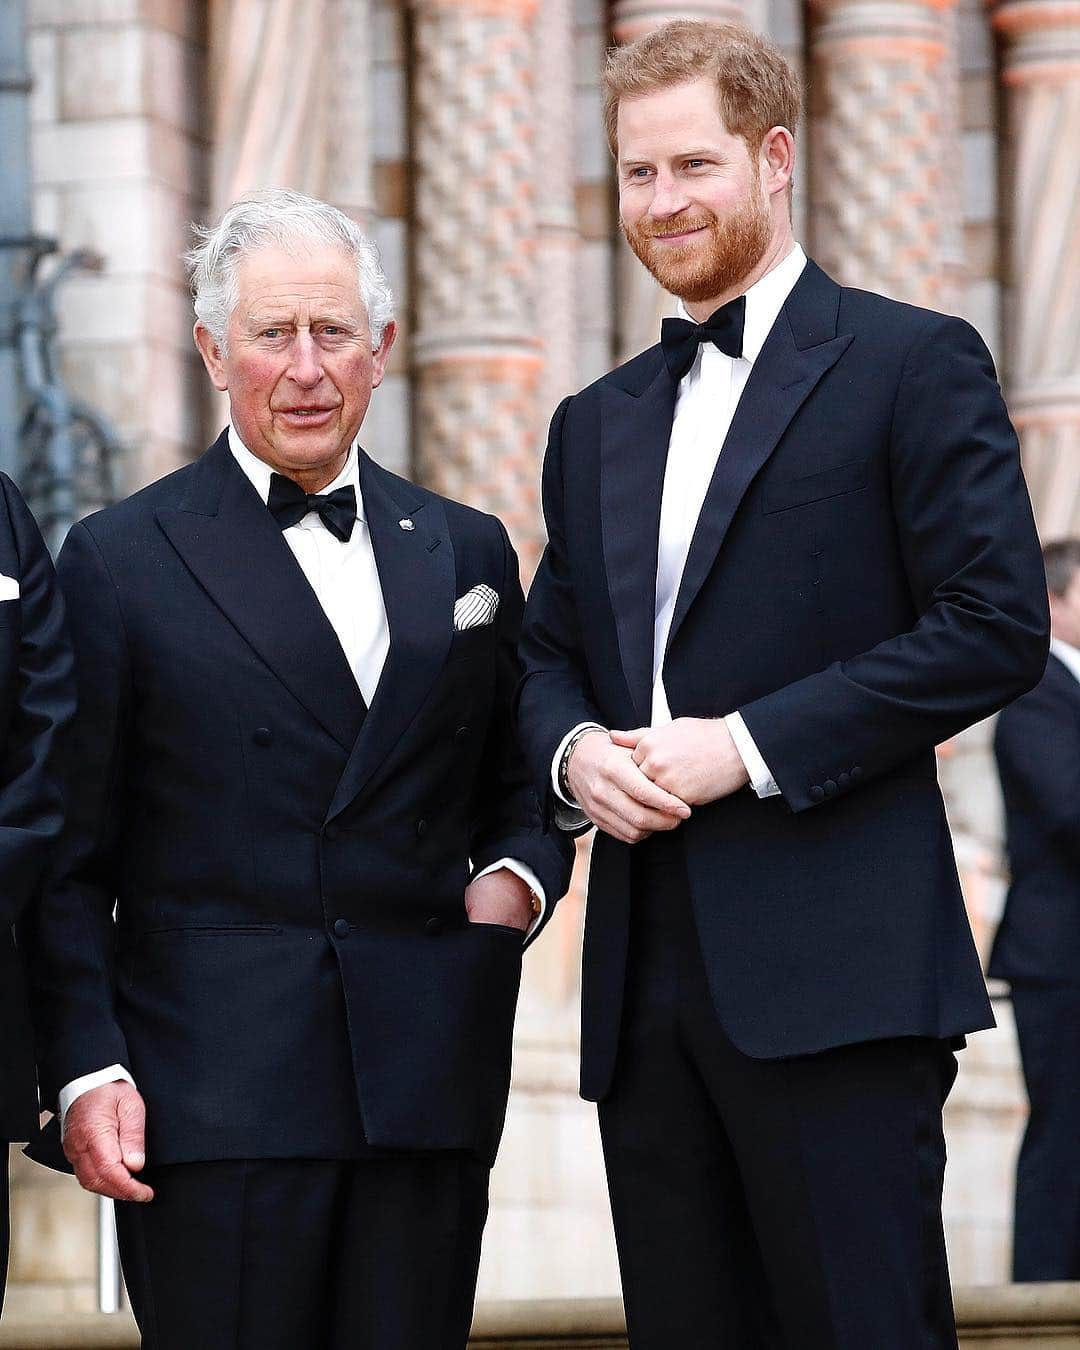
844,780
817,794
856,773
433,927
332,832
461,735
341,928
421,828
830,788
262,736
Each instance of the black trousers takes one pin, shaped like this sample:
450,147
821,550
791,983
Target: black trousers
5,1220
766,1203
1046,1242
379,1253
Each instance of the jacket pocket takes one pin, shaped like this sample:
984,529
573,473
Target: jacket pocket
815,487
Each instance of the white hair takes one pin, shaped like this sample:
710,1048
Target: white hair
283,219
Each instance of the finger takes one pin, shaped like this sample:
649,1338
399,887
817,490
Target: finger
634,784
639,820
113,1180
131,1123
627,739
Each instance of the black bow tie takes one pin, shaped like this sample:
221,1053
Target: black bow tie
680,338
289,504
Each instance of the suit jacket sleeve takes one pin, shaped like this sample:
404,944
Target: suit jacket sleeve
973,568
72,951
1038,753
507,821
43,700
555,694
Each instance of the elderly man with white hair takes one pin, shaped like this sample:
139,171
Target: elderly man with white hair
277,965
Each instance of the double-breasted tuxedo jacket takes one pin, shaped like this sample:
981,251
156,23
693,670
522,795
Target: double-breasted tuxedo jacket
290,972
37,698
864,581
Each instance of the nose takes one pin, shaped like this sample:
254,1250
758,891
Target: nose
305,365
669,197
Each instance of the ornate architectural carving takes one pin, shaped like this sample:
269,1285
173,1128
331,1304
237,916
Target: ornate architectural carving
631,18
1041,76
884,85
556,215
477,354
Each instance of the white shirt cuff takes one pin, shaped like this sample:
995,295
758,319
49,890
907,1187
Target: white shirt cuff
115,1073
529,877
761,780
566,801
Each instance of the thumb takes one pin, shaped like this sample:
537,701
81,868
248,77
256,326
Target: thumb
131,1122
627,739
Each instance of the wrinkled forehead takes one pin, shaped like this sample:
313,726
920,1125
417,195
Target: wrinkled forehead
303,282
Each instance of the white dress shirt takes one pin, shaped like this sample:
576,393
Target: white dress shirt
345,578
705,405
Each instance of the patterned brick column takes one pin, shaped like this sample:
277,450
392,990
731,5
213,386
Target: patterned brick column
641,302
556,208
883,114
476,351
1041,77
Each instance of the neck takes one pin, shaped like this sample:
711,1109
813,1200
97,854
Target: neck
316,477
781,244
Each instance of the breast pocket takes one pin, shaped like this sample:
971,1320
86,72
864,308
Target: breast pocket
815,487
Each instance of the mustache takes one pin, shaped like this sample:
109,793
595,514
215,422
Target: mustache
672,227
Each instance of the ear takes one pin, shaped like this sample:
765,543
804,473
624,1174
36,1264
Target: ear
777,160
210,351
381,354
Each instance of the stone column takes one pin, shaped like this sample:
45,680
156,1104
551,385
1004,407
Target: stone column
883,116
476,351
556,214
1041,78
641,302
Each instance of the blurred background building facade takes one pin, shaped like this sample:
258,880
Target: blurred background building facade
938,164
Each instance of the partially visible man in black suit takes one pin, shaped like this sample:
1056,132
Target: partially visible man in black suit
1037,948
294,775
790,550
37,699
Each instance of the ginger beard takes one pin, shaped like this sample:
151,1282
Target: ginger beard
708,265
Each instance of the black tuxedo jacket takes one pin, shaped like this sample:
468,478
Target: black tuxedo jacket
863,582
1037,743
37,698
290,940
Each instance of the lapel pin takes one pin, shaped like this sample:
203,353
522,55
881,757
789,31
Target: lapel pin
406,524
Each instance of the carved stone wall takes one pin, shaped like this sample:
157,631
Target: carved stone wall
477,351
1041,79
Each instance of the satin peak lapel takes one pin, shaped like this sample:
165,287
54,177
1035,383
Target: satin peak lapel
416,573
634,434
801,347
233,547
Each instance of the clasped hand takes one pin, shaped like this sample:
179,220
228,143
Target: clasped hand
634,783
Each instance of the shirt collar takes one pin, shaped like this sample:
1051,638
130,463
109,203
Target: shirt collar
1068,655
764,301
259,472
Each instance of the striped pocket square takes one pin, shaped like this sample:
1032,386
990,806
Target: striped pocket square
475,608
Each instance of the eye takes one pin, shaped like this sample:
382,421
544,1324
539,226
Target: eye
271,332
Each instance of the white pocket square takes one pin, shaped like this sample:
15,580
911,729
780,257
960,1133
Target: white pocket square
475,608
9,588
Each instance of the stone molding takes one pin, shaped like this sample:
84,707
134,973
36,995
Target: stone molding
1027,1317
